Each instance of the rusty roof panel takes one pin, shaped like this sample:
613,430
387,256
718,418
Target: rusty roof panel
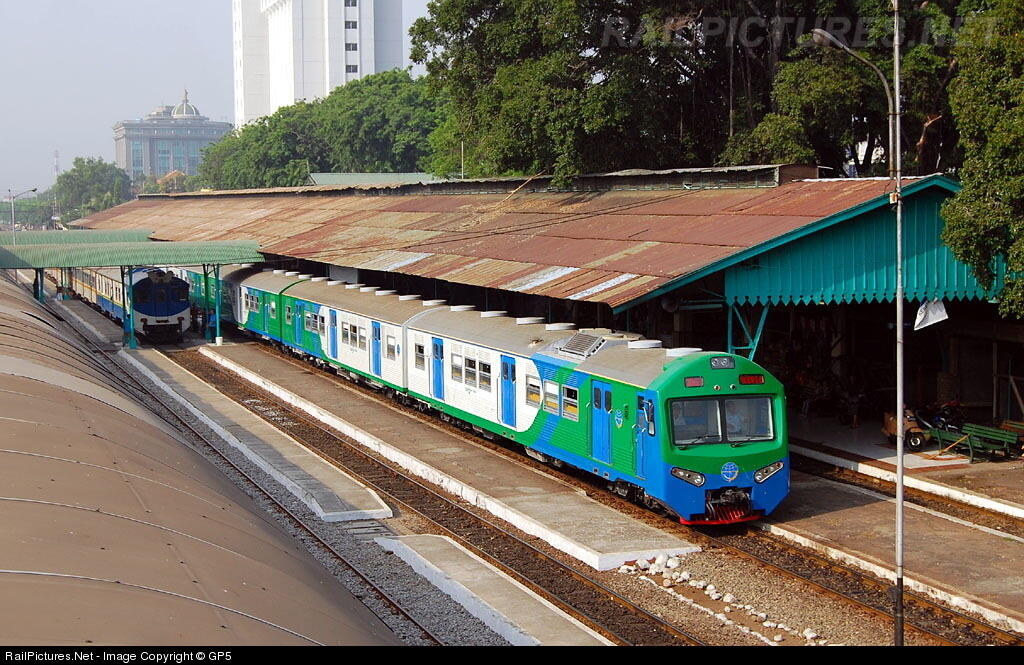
607,246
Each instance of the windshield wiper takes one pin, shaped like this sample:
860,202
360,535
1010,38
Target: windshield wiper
699,439
736,443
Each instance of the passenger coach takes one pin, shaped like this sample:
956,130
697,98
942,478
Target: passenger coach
699,434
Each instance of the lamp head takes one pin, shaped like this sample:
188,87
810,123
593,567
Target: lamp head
823,38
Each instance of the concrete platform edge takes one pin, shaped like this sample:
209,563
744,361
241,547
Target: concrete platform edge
875,568
308,500
490,616
590,557
938,489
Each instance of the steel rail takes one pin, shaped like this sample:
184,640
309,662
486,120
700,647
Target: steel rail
662,625
139,387
955,616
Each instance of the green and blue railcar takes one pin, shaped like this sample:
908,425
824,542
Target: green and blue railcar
700,434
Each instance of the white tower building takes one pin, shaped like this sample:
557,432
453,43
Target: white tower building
289,50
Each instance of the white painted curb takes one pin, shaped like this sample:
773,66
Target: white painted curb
491,617
300,493
963,496
593,558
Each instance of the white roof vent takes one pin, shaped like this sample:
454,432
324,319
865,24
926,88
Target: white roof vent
596,331
527,320
385,292
645,344
246,265
433,303
270,270
680,351
462,308
334,282
582,345
368,289
409,296
306,276
278,271
319,279
492,314
291,273
560,326
353,286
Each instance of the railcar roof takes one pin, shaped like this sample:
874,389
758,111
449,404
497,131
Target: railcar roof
265,280
387,308
500,332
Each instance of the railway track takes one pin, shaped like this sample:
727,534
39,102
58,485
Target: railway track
127,381
567,587
925,617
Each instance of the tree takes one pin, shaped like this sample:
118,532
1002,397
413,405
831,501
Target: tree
985,220
576,86
377,123
91,185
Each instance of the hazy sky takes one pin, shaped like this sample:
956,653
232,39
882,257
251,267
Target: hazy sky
72,68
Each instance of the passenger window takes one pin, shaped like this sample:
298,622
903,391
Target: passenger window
532,391
288,314
551,397
570,403
485,376
421,357
470,372
392,348
362,338
456,367
608,401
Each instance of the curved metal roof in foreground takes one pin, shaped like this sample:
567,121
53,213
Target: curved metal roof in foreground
114,532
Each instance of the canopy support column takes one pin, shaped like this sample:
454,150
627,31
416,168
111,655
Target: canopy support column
207,333
750,341
216,316
128,308
40,286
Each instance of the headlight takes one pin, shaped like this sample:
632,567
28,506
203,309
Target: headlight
767,472
692,477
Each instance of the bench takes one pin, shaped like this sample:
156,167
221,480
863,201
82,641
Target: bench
988,440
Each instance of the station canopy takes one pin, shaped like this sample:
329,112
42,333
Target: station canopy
109,249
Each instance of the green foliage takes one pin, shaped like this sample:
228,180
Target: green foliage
376,123
985,221
91,185
574,86
778,139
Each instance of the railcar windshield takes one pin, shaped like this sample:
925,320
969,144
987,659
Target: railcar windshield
734,420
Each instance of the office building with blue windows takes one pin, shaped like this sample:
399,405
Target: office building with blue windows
169,138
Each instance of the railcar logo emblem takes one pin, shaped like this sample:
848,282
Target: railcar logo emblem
619,418
730,471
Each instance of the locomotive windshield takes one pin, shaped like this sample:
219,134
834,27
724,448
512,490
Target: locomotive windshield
735,420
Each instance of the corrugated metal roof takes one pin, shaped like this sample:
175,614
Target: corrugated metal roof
109,254
600,246
73,237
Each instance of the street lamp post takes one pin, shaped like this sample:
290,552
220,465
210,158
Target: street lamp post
823,38
14,235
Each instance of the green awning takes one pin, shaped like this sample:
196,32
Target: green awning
72,237
110,255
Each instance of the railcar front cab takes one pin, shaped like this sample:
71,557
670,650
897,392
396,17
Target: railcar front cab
723,439
161,302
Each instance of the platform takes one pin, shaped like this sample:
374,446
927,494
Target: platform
993,485
534,502
505,606
325,489
968,566
106,333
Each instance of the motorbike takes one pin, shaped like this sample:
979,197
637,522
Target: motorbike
917,422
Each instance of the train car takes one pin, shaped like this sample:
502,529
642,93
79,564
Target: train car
160,300
699,434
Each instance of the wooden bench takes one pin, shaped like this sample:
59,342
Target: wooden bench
989,440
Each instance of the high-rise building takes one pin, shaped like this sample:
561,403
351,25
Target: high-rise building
169,138
289,50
